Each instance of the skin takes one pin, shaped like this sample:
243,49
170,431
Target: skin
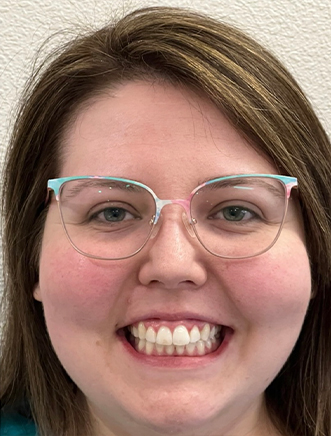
170,139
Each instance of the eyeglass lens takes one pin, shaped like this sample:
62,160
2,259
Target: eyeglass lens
233,218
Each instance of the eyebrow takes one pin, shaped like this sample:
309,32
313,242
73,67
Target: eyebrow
97,183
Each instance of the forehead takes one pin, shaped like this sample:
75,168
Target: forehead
145,130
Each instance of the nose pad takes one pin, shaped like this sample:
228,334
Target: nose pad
188,225
156,227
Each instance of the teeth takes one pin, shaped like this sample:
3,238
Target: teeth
164,336
134,331
190,349
170,349
159,348
201,347
180,349
151,335
141,330
141,344
205,332
208,344
195,334
180,336
149,347
178,342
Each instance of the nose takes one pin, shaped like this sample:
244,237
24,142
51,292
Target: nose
173,258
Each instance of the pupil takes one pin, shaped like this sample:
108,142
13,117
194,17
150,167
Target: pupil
234,213
114,214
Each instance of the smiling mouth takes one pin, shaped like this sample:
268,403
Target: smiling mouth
168,339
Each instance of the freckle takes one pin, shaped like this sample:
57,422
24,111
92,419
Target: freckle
98,343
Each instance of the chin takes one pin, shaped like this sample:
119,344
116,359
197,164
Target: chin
181,420
180,413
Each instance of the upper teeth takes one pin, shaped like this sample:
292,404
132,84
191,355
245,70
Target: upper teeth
180,335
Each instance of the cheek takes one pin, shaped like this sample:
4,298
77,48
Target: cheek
80,291
272,288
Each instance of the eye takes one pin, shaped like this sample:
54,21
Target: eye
234,213
114,214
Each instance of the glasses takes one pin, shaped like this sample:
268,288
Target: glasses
233,217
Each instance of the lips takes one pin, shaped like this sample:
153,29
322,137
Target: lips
184,338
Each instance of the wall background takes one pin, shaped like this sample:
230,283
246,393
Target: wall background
297,31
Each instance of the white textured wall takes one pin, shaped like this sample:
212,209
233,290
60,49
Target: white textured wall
297,31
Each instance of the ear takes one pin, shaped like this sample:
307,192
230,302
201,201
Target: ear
36,292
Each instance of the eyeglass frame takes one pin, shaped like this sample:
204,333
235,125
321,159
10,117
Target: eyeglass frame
56,184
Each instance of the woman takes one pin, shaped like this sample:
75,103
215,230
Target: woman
204,314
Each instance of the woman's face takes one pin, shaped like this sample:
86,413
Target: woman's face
171,140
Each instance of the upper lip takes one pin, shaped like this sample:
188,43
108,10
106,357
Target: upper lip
166,316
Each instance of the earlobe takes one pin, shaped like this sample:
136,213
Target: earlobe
36,292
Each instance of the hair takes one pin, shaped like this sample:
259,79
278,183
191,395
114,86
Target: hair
261,100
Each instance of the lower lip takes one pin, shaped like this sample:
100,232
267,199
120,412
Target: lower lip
177,361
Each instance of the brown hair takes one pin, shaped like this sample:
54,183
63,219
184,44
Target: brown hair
260,99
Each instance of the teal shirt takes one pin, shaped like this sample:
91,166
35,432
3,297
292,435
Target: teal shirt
15,424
